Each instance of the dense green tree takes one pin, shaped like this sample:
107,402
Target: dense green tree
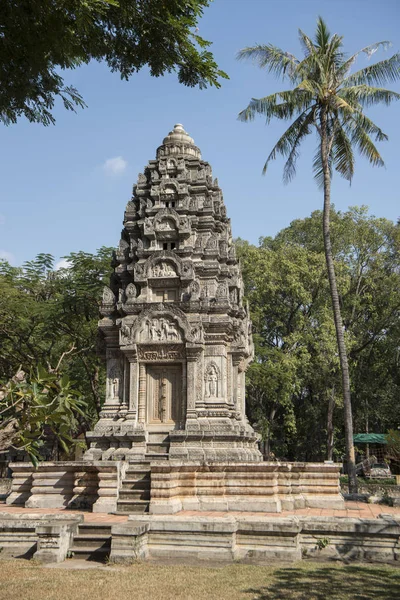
45,313
289,298
40,38
330,100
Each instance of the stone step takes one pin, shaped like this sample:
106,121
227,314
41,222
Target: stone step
95,529
156,456
134,495
127,507
137,470
88,553
136,484
136,475
93,541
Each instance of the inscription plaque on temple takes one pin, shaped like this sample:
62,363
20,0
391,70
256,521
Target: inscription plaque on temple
176,333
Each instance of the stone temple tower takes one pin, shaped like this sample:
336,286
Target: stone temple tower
176,334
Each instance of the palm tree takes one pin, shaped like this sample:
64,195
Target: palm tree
329,99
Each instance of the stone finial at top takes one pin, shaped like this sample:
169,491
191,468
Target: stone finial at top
179,143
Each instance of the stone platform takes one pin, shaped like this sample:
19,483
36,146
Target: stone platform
359,532
178,485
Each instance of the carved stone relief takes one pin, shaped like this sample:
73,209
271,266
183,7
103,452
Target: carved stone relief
163,269
212,378
160,329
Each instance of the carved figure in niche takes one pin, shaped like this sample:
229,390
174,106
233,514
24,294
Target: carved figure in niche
121,295
222,290
108,296
207,202
149,203
212,381
195,290
154,174
115,387
130,292
163,269
166,225
142,178
201,174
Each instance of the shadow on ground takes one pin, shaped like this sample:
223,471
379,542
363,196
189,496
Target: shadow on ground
318,583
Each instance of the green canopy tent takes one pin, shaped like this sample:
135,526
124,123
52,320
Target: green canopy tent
370,438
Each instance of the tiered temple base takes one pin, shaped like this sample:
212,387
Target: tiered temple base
180,485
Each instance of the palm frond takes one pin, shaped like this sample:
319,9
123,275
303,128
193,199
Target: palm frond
306,43
359,136
360,120
342,154
367,96
289,170
379,73
287,141
318,169
322,34
274,59
294,102
369,50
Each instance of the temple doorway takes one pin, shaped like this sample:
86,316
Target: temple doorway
164,395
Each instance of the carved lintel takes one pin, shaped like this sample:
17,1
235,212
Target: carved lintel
155,352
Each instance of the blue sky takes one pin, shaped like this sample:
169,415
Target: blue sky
59,194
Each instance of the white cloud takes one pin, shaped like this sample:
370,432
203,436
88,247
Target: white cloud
2,219
115,166
62,264
7,256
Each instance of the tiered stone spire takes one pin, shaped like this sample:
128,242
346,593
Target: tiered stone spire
177,336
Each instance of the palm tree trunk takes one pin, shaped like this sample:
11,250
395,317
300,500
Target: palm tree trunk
344,366
329,426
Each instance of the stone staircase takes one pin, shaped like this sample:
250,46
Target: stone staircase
92,542
134,493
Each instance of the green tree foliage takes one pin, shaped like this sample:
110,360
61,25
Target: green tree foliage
294,385
41,38
34,407
47,313
327,99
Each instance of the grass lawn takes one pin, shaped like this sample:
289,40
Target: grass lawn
23,580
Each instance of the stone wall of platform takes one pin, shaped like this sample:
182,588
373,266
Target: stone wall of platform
67,484
254,487
255,539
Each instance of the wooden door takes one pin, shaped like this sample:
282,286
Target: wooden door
164,394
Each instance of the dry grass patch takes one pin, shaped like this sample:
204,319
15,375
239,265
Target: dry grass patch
22,580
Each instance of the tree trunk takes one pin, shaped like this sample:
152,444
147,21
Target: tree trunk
329,425
344,366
